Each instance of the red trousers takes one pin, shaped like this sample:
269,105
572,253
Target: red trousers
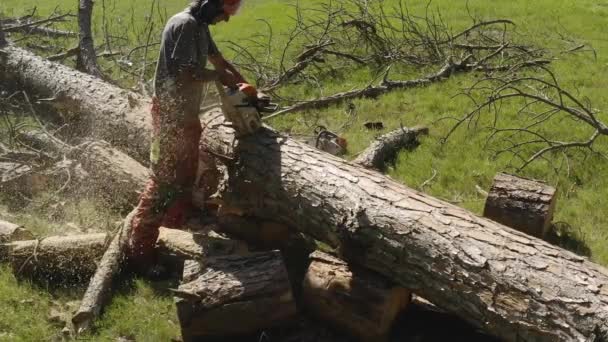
168,192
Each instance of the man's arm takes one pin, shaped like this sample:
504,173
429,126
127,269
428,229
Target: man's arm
228,74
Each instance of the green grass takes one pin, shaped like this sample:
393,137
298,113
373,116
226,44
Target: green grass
460,165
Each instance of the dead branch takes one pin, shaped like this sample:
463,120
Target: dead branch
542,100
3,41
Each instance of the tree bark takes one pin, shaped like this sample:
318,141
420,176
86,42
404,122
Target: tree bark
524,204
515,286
102,111
56,258
385,148
87,59
362,303
234,295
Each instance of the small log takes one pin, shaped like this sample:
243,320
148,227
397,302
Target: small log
185,245
385,147
524,204
56,258
100,284
234,295
361,303
12,232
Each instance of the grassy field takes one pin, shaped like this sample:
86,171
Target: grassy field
461,165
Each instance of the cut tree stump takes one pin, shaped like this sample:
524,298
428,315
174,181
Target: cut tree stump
386,147
70,258
512,285
233,295
524,204
13,232
363,304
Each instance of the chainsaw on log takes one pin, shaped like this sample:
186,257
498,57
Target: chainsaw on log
244,107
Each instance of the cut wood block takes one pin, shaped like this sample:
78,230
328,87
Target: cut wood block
234,295
362,303
523,204
12,232
56,258
182,245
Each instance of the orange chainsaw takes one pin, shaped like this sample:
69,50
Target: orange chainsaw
244,107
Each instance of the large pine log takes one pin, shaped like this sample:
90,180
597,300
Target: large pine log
104,111
515,286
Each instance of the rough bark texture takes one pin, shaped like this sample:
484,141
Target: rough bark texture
385,147
101,282
515,286
10,232
362,303
524,204
86,60
104,111
234,295
56,258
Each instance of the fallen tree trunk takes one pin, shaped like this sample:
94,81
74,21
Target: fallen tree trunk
112,174
234,295
515,286
103,111
385,148
56,258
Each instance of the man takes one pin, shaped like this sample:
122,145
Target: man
181,72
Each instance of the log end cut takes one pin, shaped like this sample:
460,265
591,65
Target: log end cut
362,303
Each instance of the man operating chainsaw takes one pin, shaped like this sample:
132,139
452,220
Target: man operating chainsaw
181,73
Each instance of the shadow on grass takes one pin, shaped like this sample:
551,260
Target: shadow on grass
564,235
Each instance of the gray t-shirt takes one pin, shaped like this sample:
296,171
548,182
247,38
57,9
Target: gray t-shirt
184,43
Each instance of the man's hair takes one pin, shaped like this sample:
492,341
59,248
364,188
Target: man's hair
205,10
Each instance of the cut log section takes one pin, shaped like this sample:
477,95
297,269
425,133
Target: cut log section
362,303
503,281
524,204
234,295
184,245
12,232
56,258
385,148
